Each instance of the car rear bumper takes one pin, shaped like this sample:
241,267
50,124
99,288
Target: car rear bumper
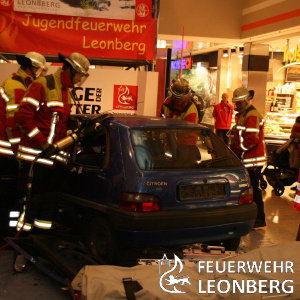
184,236
183,227
163,220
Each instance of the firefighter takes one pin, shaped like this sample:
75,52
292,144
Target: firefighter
249,144
32,65
42,116
180,106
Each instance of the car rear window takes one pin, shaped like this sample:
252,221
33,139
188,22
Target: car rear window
167,149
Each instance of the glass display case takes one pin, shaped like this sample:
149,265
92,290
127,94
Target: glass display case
278,126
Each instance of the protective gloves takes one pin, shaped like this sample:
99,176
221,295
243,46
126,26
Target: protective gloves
48,149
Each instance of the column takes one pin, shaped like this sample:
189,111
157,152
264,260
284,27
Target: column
254,72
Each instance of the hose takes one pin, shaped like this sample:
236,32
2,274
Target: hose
28,199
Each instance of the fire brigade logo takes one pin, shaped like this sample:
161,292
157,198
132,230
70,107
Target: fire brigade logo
125,97
172,280
6,2
142,10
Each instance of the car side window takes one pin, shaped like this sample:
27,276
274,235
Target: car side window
92,150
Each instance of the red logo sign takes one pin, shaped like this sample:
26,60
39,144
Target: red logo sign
7,4
125,97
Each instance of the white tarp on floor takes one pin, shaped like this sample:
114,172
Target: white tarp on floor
264,273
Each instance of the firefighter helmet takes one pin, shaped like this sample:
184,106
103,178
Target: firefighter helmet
78,62
240,94
32,59
180,88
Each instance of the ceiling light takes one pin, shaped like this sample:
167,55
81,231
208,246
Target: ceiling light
225,53
277,50
298,40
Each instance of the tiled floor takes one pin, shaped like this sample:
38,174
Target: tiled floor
32,284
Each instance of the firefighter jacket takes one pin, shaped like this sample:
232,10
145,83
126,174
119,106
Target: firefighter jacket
187,111
223,115
11,94
249,143
43,115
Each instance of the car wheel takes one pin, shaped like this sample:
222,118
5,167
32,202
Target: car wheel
232,244
102,240
279,189
263,184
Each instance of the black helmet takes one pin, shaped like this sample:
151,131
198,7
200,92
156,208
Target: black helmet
180,88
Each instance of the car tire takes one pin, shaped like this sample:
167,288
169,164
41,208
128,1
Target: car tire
232,244
102,241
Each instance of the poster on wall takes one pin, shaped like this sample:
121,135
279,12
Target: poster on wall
104,9
125,97
51,34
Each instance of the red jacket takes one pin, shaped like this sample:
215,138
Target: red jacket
249,142
11,94
43,115
187,111
223,115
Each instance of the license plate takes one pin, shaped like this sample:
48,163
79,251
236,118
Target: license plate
202,191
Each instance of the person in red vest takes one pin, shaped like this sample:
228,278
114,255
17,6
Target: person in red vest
43,118
249,144
12,90
222,113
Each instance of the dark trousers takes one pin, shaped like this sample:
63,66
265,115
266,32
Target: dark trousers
255,174
44,195
9,168
221,133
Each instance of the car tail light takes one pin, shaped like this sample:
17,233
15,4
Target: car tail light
139,202
246,196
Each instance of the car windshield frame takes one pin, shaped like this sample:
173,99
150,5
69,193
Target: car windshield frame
175,148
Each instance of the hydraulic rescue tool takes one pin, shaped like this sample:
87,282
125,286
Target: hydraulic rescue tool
83,128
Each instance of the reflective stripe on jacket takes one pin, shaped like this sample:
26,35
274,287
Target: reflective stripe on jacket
249,141
187,111
43,115
11,94
223,115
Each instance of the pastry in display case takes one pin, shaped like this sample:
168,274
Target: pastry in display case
279,124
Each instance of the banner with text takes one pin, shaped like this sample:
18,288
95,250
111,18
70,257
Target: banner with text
104,9
118,91
51,34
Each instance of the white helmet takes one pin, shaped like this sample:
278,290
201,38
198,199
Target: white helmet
78,62
240,94
33,59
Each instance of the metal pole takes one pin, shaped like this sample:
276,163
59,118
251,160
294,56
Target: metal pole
168,71
181,53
